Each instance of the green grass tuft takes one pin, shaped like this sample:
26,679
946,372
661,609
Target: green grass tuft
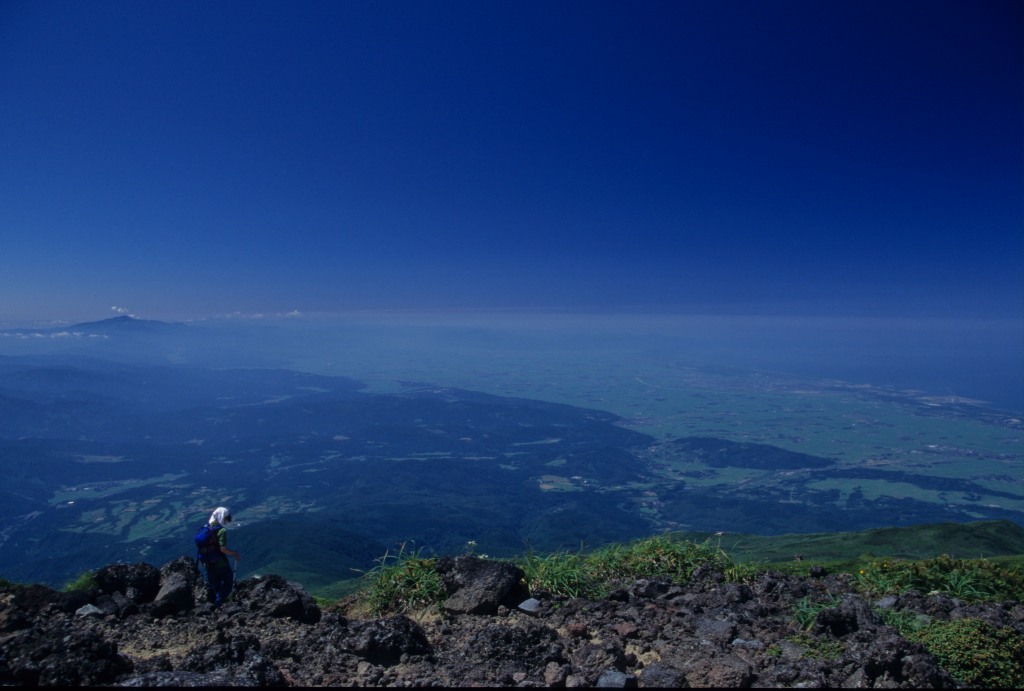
595,574
560,573
402,582
967,579
85,581
806,609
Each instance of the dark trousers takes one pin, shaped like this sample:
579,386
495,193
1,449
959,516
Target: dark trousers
221,579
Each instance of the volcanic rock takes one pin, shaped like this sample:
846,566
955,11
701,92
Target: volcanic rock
648,633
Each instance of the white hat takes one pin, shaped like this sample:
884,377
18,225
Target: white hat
220,516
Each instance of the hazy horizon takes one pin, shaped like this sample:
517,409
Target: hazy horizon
972,358
968,358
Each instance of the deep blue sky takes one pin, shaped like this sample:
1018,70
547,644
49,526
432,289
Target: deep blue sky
185,159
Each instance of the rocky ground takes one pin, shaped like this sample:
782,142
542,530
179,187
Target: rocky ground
145,626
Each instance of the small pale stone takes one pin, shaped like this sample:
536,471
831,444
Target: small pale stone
555,674
88,611
530,606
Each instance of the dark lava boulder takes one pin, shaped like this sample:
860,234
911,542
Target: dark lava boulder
60,656
18,605
180,583
479,586
385,641
273,596
657,675
853,614
594,658
236,656
139,583
507,650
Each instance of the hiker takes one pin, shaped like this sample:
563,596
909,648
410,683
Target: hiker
213,551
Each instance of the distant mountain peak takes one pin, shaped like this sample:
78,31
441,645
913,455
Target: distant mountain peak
123,323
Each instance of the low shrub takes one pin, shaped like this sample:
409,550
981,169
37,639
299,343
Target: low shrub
816,648
976,653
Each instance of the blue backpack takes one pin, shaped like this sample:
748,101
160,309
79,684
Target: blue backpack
207,545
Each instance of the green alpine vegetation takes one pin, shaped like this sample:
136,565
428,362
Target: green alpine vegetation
406,580
982,556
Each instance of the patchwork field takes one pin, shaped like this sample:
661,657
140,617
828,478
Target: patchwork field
907,437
